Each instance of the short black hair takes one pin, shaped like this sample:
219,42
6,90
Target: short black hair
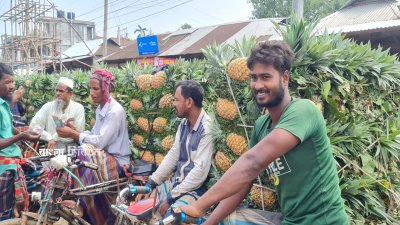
192,89
4,69
275,53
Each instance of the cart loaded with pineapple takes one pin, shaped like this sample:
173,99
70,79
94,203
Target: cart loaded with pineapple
154,132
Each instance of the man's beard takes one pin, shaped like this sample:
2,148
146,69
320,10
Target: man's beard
8,98
274,102
61,104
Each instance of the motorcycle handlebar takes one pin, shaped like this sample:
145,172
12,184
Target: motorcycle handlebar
179,217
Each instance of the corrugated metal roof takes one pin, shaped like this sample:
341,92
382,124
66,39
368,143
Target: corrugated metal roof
362,15
257,28
365,26
131,51
80,49
191,41
218,35
187,41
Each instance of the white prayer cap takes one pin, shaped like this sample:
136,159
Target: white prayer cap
66,81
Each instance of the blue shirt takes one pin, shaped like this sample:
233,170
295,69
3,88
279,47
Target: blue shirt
110,132
6,131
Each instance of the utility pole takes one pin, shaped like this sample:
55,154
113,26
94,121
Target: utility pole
105,28
297,8
119,36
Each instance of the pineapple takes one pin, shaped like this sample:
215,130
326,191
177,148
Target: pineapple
143,81
166,101
226,109
222,161
159,158
167,142
317,101
236,143
143,124
28,83
158,80
136,104
320,106
159,124
237,69
146,156
137,140
92,122
268,196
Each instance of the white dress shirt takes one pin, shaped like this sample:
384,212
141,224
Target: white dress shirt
110,132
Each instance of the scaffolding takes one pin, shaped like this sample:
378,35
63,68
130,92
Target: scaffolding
30,41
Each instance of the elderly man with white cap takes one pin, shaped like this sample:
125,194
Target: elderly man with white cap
62,108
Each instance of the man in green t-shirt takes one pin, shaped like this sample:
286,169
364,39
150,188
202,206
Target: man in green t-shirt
9,152
290,142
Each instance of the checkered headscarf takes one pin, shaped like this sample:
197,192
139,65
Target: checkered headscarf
107,81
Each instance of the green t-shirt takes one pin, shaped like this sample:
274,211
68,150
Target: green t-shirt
308,189
6,131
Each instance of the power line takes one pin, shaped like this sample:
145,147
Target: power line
205,13
156,13
94,10
133,10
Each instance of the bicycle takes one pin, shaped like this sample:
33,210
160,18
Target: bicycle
51,207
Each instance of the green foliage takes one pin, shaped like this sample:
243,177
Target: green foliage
313,9
354,85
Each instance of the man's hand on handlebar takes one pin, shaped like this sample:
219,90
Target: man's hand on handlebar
163,207
192,210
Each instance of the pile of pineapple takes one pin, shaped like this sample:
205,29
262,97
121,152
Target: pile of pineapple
151,108
235,111
357,99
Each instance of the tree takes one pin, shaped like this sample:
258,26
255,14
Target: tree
185,26
141,31
313,9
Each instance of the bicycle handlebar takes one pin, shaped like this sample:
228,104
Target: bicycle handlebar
88,165
178,217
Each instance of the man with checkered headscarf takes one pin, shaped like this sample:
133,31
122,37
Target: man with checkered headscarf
107,142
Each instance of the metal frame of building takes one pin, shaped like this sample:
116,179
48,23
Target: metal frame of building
28,45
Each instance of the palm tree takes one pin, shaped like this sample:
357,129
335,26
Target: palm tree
141,31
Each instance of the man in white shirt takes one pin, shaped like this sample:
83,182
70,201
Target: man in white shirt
65,109
110,140
110,132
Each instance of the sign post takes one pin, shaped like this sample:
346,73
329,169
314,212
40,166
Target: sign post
147,45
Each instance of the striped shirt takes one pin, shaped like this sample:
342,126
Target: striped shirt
190,157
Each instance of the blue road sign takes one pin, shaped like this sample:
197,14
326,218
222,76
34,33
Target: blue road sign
148,45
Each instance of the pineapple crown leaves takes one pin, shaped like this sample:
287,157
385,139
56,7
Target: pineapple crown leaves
174,123
216,131
243,48
218,55
297,34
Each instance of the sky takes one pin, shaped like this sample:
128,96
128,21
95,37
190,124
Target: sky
158,15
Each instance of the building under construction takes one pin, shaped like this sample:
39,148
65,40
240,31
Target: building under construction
36,34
